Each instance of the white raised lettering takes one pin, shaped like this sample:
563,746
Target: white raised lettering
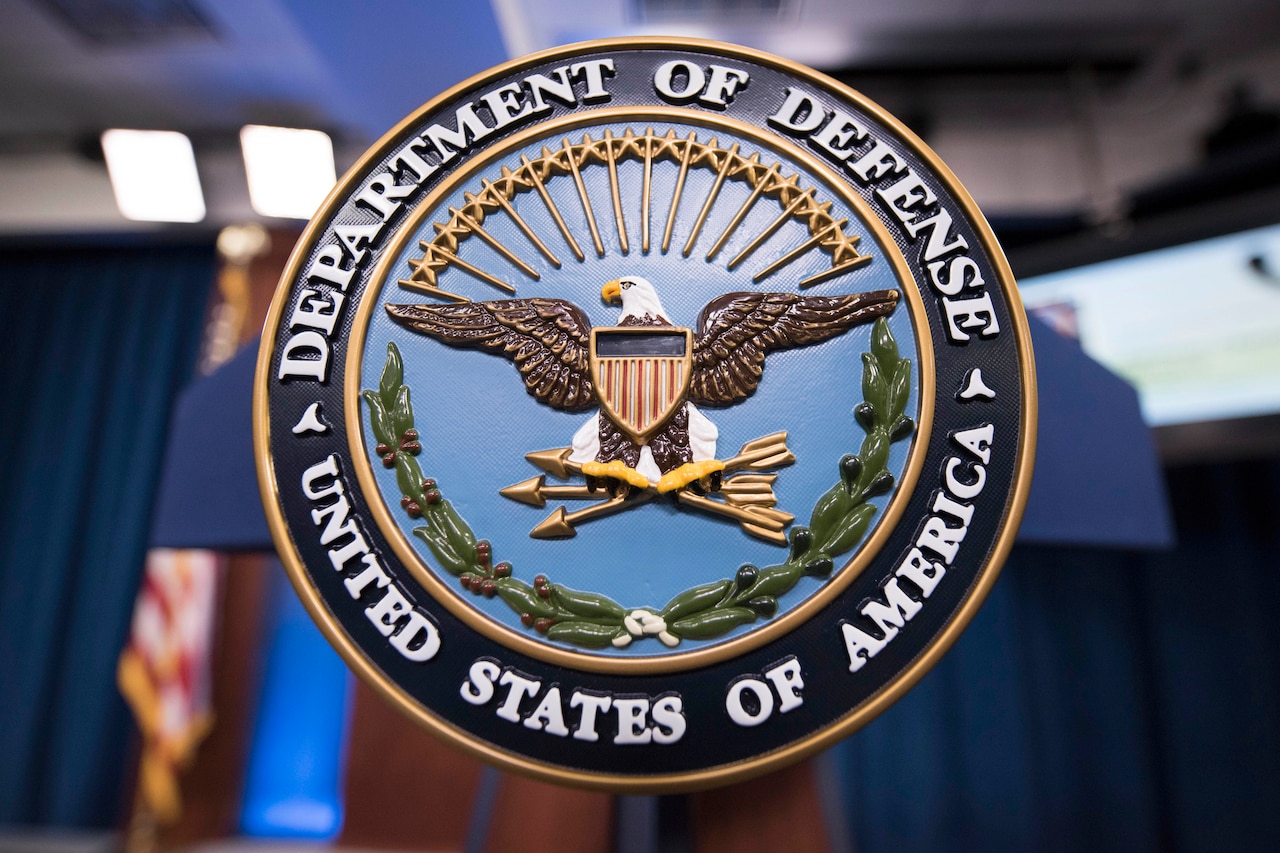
788,682
799,113
922,572
518,687
860,645
633,715
738,711
548,716
668,719
976,314
977,441
592,706
478,688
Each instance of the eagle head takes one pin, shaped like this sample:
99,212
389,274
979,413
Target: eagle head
637,296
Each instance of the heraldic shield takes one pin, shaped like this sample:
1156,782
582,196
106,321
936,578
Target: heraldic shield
641,375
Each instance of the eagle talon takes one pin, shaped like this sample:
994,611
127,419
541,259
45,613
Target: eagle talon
617,477
692,472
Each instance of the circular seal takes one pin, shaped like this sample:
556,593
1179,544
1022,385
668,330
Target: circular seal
645,414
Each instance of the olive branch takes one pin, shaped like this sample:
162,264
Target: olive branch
838,522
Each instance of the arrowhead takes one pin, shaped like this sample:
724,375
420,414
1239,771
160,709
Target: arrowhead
552,461
528,492
554,526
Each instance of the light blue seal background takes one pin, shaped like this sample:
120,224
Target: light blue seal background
476,423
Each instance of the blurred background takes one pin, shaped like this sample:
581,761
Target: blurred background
160,688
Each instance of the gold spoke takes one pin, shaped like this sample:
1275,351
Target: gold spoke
616,191
711,198
582,194
551,206
501,199
742,211
491,241
644,196
675,197
769,230
474,270
793,254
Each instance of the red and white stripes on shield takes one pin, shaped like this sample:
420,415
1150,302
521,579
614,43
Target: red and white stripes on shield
642,391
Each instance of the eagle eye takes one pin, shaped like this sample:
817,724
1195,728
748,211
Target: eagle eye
625,285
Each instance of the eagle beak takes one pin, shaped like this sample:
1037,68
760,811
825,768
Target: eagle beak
612,291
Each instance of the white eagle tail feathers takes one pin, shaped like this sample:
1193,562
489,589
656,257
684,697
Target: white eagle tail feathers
586,441
702,435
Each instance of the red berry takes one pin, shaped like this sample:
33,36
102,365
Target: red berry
389,460
465,580
411,447
382,449
540,580
502,570
541,625
433,497
526,619
489,588
404,502
543,591
411,435
428,484
414,510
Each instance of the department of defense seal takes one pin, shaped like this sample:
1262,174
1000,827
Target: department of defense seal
645,414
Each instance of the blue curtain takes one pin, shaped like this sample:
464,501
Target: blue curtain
94,345
1101,700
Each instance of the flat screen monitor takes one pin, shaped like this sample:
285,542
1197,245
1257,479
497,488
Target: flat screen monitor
1194,327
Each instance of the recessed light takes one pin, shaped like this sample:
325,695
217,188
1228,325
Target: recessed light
153,175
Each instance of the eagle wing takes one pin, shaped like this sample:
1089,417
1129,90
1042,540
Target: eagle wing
546,339
737,330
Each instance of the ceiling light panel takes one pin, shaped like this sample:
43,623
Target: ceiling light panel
153,175
290,171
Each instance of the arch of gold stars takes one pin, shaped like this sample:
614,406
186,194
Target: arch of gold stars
766,182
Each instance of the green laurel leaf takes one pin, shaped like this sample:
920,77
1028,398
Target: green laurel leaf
392,377
521,598
378,419
588,634
449,561
899,388
589,604
402,413
704,626
875,386
696,598
775,580
849,531
459,534
883,346
409,478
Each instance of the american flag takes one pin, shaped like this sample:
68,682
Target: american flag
164,670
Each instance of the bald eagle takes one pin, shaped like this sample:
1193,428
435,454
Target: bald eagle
549,341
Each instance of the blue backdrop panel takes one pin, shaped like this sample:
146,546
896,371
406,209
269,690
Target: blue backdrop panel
94,345
293,788
209,490
1097,479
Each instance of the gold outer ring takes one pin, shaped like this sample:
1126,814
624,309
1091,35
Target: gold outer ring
679,661
719,774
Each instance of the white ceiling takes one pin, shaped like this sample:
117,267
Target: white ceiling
996,80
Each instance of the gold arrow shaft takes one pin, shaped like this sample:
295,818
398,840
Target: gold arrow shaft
764,523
